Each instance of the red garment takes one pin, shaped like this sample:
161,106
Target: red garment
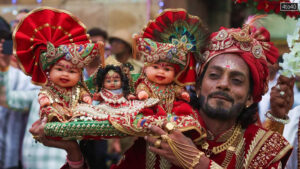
261,147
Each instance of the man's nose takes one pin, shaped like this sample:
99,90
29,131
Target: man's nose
223,83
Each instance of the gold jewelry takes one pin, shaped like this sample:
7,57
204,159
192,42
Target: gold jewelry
165,137
285,120
227,144
170,126
166,96
157,143
196,159
188,156
274,126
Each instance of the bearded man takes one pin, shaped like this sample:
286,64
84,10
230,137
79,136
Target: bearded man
231,82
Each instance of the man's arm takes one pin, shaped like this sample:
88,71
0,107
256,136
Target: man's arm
19,99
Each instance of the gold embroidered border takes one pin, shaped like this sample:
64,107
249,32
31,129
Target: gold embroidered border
282,153
258,146
164,163
214,165
240,152
150,158
122,129
264,151
260,133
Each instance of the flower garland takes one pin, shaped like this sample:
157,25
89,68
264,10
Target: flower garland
269,6
291,61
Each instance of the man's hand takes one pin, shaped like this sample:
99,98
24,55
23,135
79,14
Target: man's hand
164,149
282,97
116,146
72,147
4,59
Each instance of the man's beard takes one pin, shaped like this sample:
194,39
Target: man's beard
219,112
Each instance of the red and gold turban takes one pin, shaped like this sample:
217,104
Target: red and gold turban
253,45
46,35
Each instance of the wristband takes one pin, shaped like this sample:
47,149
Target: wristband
76,164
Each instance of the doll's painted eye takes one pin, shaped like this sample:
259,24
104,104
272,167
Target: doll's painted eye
59,69
155,66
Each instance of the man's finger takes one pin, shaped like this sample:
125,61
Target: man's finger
157,131
158,151
150,139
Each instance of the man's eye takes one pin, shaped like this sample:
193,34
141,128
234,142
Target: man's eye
155,67
59,69
237,81
213,75
167,69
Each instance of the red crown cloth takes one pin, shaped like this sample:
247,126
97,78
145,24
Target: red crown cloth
185,33
255,48
40,27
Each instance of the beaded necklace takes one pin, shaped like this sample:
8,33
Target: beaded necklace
68,97
166,96
62,93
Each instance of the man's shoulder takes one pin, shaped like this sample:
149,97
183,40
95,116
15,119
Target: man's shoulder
264,147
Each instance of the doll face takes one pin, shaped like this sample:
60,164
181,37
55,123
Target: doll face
65,74
112,80
161,73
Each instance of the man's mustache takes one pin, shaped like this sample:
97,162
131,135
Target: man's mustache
222,94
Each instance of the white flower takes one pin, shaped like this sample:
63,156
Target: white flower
291,64
291,61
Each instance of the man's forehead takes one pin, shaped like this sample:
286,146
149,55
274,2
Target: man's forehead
232,62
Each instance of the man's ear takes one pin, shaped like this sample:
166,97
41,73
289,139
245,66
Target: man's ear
249,101
198,90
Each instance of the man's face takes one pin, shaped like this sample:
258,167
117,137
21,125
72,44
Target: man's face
225,87
118,47
95,39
